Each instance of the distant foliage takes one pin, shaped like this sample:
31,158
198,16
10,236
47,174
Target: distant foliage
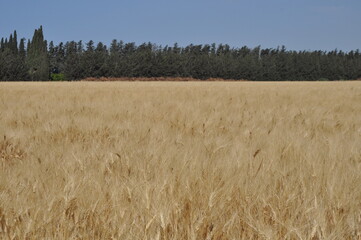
75,61
57,77
12,59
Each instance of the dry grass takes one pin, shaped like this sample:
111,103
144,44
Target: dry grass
155,79
180,160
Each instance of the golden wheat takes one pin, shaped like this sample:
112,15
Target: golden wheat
180,160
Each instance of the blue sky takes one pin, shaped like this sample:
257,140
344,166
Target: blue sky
297,24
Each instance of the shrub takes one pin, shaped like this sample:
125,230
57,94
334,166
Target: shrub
57,77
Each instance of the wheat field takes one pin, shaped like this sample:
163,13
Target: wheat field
180,160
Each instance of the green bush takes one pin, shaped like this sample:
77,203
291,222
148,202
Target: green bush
57,77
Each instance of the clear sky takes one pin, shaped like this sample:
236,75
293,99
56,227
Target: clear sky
297,24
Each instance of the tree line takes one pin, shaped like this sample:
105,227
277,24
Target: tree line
40,61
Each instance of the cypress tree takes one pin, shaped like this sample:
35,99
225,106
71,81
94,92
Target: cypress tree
22,51
15,43
10,43
6,43
22,71
37,58
12,67
2,48
2,45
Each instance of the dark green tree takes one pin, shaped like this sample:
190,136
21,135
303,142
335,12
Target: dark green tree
73,70
37,57
113,62
12,63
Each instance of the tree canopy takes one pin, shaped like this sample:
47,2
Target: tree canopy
40,61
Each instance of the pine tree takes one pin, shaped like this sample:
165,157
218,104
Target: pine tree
52,58
100,55
72,68
113,62
80,47
88,60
